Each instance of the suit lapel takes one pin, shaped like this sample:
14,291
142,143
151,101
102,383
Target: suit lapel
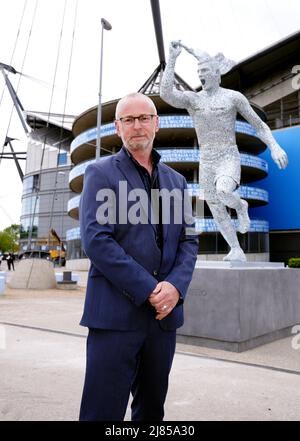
165,183
134,180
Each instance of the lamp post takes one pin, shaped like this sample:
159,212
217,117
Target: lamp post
107,26
62,175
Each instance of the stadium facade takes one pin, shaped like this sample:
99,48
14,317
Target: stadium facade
177,144
46,181
269,79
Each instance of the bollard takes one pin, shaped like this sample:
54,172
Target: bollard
2,285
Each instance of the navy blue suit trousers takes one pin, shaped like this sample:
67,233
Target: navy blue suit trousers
120,362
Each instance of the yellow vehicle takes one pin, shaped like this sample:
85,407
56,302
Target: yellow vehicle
54,246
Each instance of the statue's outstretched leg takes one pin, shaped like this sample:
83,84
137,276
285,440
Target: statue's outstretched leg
227,230
229,196
243,217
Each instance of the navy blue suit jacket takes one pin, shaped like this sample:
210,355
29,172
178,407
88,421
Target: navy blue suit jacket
126,262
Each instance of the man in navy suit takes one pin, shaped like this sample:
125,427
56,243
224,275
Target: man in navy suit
140,270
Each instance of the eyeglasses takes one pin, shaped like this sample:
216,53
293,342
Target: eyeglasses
130,120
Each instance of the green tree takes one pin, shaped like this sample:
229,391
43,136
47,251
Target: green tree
9,239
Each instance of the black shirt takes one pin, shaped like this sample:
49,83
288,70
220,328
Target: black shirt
151,183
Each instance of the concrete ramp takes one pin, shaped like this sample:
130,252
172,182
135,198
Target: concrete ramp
33,274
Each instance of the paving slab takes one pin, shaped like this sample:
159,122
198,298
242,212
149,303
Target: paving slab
42,364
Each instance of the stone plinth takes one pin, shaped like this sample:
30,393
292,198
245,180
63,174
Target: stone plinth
240,308
33,274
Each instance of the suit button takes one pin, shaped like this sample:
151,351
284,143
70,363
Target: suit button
155,273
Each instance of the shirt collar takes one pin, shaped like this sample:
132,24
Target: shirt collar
154,154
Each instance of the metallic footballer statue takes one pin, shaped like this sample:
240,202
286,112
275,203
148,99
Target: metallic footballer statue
214,110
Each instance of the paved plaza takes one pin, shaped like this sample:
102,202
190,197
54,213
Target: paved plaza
42,363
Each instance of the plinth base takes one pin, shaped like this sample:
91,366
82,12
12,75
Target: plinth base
237,309
67,286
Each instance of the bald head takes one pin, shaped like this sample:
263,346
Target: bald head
138,135
131,98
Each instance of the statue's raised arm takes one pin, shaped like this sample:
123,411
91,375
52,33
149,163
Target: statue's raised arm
168,92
